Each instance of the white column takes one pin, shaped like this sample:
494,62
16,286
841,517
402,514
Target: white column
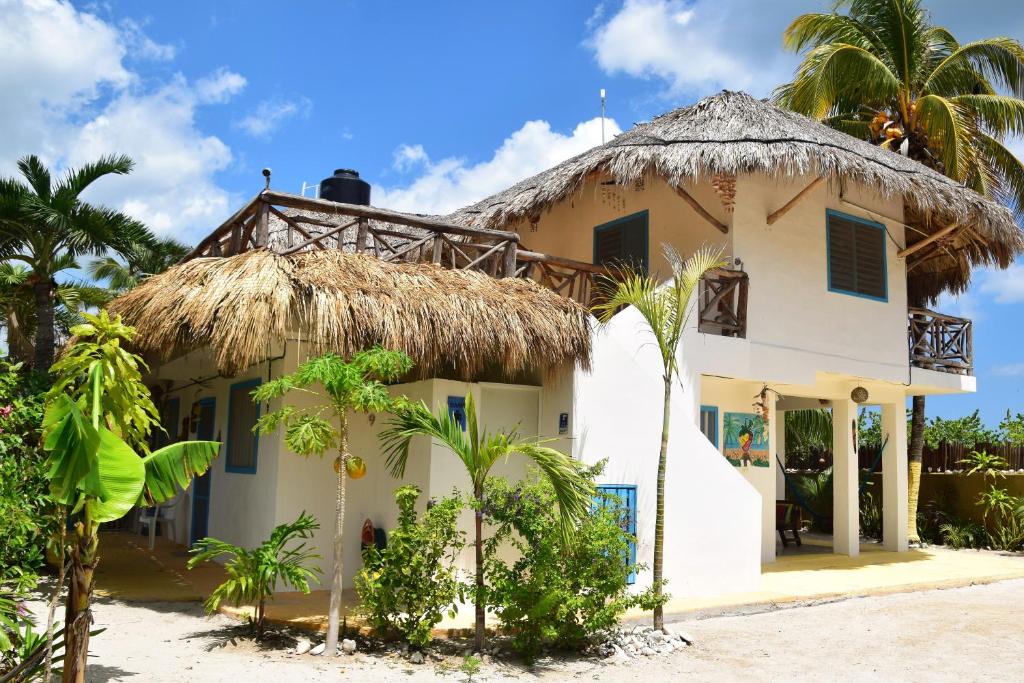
845,506
894,477
768,487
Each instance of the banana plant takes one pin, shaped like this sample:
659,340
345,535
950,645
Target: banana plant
97,418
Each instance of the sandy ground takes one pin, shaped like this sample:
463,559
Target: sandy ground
959,634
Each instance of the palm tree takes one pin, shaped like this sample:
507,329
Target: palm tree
665,309
479,451
883,72
17,307
43,223
141,261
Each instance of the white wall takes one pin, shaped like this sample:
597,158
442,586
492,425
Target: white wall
712,514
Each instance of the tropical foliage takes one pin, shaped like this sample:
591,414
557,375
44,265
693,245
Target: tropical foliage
884,72
341,386
46,225
140,261
665,309
408,586
556,595
479,451
253,574
98,415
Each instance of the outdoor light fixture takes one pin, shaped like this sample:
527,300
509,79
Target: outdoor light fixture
859,395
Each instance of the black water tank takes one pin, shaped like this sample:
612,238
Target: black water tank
345,186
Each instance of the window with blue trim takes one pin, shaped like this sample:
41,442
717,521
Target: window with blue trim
709,423
622,497
856,256
457,410
623,242
243,443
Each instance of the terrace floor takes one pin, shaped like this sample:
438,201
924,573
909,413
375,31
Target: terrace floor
130,572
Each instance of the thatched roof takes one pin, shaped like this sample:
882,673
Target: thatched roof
453,323
734,133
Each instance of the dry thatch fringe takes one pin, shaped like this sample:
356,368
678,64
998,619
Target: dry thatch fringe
451,322
733,133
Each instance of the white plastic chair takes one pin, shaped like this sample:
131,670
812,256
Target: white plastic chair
164,514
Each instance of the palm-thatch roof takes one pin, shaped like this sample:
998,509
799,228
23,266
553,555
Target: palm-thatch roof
733,133
453,323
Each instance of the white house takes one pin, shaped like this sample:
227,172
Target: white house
834,247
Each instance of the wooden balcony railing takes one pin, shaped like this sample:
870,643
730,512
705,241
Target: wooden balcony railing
288,223
722,303
941,342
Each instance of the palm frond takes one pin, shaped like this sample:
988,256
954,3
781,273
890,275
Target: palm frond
827,70
38,176
997,62
75,181
952,131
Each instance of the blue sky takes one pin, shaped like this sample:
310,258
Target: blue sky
437,104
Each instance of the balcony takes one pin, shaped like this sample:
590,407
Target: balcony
941,342
722,303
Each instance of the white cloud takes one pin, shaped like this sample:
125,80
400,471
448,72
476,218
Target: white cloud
69,97
1009,370
409,156
142,46
219,86
699,46
451,183
1003,286
270,114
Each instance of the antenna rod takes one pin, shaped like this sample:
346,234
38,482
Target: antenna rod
602,116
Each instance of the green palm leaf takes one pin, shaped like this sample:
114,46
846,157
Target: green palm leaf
171,468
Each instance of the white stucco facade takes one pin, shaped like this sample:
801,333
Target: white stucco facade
809,345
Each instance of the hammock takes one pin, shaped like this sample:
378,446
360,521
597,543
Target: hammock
797,495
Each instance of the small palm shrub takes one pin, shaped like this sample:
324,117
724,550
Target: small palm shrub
254,573
406,588
559,593
1002,512
960,534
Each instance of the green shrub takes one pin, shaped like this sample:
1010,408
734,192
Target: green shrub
870,515
558,593
253,574
959,534
406,588
27,514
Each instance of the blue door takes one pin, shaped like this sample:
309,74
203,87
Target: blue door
624,498
201,485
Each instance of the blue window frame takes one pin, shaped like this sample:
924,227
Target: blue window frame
623,241
856,256
709,423
623,498
457,409
243,443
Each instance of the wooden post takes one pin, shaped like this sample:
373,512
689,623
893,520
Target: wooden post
509,269
235,245
364,226
438,246
935,236
263,224
701,211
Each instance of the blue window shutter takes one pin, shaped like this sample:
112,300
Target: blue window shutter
709,423
625,500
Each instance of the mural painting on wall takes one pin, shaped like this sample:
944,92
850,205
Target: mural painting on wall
746,440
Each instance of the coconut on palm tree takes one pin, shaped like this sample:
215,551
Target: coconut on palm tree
884,72
665,308
45,222
479,452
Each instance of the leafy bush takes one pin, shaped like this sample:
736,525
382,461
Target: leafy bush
958,534
560,592
253,574
27,515
870,515
406,588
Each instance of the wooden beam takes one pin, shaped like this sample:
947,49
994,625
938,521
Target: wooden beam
219,232
917,246
784,209
700,210
324,206
315,239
